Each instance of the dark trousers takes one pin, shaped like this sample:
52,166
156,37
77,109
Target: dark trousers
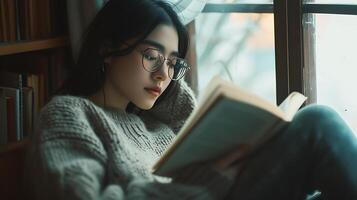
316,151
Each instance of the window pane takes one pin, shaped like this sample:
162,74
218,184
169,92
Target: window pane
239,47
240,1
336,64
332,1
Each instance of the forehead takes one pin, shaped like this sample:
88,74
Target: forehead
165,35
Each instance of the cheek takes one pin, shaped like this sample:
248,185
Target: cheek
126,69
127,76
166,83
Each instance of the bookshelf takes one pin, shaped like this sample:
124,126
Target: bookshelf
41,64
34,51
14,146
34,55
28,46
12,157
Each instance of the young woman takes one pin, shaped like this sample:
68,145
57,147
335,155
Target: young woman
124,102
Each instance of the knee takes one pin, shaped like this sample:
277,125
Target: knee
322,120
321,123
317,114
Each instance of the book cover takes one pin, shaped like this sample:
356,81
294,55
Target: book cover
11,9
3,118
14,80
12,129
12,96
28,97
33,82
226,117
3,19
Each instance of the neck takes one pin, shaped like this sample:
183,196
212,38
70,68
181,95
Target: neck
107,96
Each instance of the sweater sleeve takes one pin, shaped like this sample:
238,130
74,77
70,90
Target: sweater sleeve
70,163
175,107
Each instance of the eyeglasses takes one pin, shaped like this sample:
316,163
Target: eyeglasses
153,60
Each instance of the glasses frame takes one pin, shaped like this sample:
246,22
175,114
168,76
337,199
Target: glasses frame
122,52
186,66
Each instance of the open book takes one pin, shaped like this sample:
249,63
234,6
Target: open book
226,117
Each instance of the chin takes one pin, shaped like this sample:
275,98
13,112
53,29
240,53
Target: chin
146,105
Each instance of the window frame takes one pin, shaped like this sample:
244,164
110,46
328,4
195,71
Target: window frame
293,30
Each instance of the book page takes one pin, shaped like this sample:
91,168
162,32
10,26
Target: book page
228,114
193,119
226,126
234,92
291,104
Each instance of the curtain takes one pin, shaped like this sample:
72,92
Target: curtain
80,13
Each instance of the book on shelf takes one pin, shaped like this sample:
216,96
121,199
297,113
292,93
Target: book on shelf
28,110
8,20
35,70
11,131
17,107
3,121
31,20
34,86
33,82
28,77
226,118
12,86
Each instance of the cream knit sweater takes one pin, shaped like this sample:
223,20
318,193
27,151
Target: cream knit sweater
83,151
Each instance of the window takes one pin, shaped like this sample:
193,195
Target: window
295,45
333,1
332,44
237,46
241,1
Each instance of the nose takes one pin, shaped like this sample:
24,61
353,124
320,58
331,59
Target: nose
162,72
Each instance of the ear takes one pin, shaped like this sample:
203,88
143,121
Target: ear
102,52
104,49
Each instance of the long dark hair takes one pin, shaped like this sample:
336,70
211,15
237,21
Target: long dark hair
116,22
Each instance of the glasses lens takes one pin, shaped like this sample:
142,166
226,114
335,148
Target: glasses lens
152,59
178,68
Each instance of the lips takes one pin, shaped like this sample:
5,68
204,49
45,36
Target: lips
156,91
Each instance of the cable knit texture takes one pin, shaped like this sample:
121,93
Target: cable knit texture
83,151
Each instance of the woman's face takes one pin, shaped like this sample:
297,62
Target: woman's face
127,80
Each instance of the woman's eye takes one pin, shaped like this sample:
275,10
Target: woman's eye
149,57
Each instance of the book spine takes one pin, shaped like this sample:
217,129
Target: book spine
1,25
17,115
28,111
14,83
3,18
33,80
3,119
17,11
21,108
11,7
11,119
23,16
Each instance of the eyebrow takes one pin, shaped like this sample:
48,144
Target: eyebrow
159,46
